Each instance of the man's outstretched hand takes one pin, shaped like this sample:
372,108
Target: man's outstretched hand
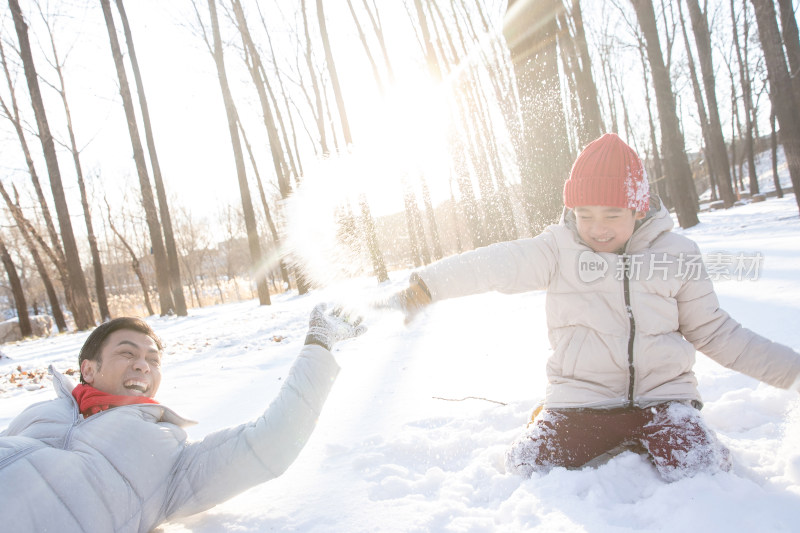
325,329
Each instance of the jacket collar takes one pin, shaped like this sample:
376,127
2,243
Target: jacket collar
63,386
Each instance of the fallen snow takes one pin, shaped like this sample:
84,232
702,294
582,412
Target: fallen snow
391,453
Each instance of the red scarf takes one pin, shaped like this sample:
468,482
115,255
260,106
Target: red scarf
92,401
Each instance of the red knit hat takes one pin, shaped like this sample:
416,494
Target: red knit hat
609,173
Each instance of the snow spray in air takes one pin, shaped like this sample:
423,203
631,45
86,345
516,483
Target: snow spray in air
324,235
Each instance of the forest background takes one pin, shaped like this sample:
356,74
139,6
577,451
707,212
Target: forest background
160,156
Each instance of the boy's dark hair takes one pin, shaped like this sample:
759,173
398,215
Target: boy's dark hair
94,342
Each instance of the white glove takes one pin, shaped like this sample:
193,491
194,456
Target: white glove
324,329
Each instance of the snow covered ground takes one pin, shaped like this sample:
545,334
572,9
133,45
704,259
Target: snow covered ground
391,453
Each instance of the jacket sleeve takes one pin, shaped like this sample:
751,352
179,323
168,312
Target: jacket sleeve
713,332
232,460
507,267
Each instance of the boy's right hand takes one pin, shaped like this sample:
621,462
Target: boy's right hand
414,299
410,300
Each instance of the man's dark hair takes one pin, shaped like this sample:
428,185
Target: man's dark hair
94,343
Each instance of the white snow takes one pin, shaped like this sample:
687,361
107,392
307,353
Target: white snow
389,454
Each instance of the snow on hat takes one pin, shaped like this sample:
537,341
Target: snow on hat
609,173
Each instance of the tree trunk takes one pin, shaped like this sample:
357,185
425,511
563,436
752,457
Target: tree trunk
781,92
244,188
716,141
367,51
587,89
13,116
25,328
378,265
260,83
678,171
791,41
368,223
22,226
747,99
82,312
148,202
137,269
773,144
530,30
337,90
701,107
267,214
408,202
166,219
319,113
297,165
426,199
53,251
376,26
659,179
97,265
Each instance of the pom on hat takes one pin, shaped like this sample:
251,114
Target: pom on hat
609,173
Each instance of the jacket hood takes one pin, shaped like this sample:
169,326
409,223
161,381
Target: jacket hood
656,222
63,386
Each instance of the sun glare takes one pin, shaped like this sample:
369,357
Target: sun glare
402,137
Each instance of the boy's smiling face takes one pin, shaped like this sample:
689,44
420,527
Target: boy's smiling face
606,229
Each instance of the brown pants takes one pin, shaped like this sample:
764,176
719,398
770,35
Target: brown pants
672,434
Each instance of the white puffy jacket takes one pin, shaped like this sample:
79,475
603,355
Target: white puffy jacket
131,468
619,339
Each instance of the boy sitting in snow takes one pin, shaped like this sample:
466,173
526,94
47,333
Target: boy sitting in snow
628,303
105,456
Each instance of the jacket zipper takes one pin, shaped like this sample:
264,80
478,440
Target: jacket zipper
627,291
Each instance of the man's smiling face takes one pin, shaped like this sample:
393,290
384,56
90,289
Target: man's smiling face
129,364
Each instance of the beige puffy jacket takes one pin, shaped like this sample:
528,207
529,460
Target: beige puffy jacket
623,329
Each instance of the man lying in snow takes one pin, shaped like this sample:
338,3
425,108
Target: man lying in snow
105,456
628,303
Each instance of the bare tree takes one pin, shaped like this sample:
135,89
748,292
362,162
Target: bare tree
253,59
265,205
547,155
54,251
337,90
368,223
747,93
676,162
135,264
587,90
317,109
701,106
791,41
23,227
61,89
25,328
82,312
148,201
716,147
781,91
13,116
244,188
166,220
773,145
